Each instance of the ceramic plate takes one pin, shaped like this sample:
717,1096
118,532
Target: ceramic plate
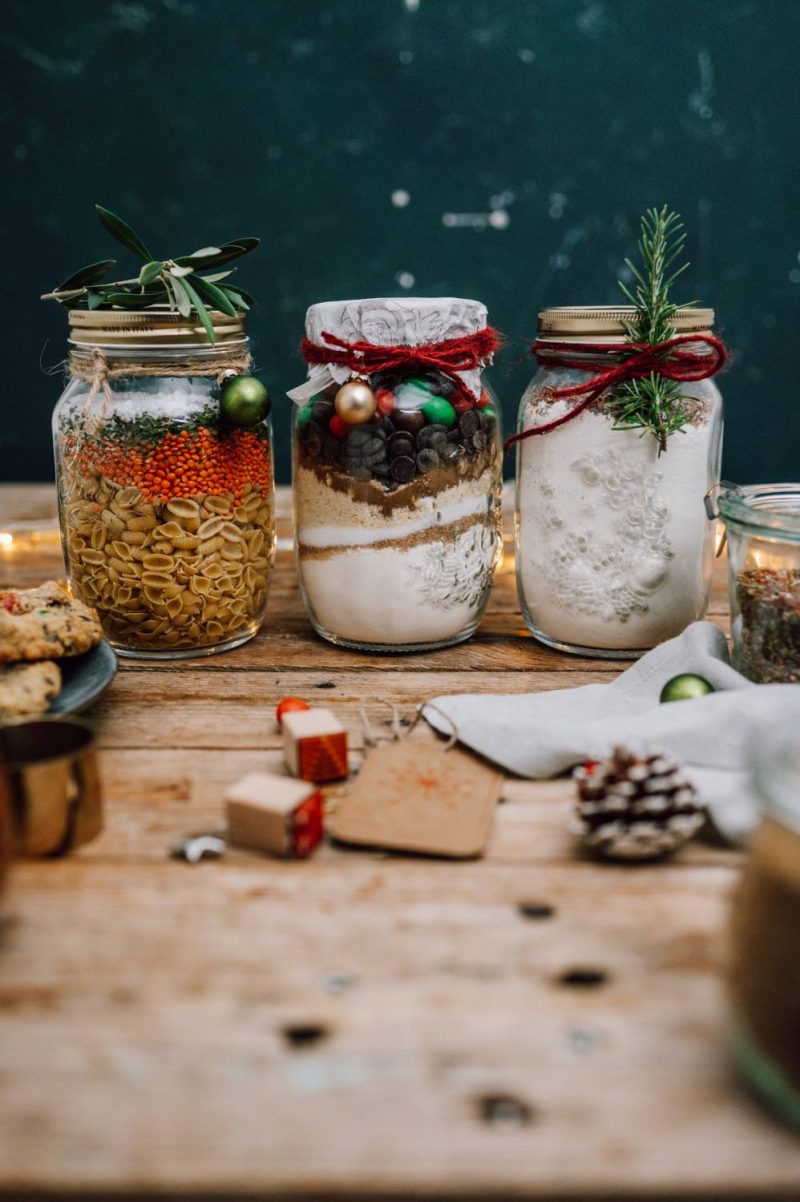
85,677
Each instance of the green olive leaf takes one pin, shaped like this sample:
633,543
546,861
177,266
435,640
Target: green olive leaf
183,298
180,271
87,276
239,296
123,233
151,271
213,295
199,308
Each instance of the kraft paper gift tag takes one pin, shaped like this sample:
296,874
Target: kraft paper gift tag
419,797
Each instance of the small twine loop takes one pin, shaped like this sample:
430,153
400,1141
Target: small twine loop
97,371
398,735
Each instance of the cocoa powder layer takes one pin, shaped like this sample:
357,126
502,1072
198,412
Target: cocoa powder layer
405,496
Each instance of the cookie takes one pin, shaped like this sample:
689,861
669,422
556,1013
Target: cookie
45,623
28,689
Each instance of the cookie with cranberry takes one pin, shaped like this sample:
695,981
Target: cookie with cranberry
45,623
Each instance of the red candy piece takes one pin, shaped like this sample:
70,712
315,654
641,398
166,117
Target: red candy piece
385,401
289,705
485,400
339,429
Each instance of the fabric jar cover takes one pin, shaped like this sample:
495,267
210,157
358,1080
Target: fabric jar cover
388,321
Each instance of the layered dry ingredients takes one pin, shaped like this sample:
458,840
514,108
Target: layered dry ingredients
398,518
168,525
767,646
615,548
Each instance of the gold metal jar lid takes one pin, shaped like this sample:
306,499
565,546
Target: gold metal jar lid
150,328
596,323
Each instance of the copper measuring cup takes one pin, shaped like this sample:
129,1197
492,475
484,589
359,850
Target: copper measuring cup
49,780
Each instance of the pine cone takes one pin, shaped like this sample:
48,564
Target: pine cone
634,807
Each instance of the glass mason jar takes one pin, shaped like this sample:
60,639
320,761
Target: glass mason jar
397,517
763,527
166,509
765,935
614,547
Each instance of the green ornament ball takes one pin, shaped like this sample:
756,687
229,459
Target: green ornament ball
244,401
439,412
685,687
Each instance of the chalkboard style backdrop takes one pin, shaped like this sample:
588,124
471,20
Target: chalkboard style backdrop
501,149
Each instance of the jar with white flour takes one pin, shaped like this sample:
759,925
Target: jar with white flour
397,472
614,547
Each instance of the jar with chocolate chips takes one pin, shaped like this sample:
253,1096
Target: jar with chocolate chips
397,472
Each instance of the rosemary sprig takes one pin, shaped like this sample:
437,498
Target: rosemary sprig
174,282
654,403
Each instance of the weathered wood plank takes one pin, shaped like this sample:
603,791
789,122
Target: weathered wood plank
155,708
183,1028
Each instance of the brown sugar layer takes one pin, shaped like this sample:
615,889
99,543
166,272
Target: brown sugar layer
431,534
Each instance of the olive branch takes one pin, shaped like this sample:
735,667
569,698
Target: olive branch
174,282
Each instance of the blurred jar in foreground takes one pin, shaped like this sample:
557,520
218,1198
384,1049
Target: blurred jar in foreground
765,968
763,526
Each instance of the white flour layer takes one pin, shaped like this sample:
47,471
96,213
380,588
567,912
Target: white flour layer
427,593
614,546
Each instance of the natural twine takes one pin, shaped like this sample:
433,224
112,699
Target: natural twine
97,371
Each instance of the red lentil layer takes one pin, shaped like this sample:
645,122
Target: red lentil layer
182,465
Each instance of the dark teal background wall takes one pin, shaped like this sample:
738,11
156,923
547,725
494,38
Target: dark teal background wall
525,137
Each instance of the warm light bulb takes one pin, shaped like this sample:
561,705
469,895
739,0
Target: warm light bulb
6,539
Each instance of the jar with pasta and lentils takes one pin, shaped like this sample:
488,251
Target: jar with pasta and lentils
165,487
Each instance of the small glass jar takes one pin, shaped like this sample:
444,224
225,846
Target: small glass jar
765,936
166,509
397,517
614,547
763,528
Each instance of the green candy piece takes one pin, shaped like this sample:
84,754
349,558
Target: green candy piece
439,412
304,415
685,687
422,385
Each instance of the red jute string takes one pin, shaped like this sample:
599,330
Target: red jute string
449,357
642,359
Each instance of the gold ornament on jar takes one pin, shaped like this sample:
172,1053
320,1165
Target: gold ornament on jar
355,402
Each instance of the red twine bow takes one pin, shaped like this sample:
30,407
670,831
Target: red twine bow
449,357
662,358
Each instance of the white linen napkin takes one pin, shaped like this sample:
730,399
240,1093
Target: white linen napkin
543,734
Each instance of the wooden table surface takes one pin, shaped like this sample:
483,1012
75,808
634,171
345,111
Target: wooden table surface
529,1025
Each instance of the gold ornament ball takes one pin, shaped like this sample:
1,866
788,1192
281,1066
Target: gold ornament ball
355,402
